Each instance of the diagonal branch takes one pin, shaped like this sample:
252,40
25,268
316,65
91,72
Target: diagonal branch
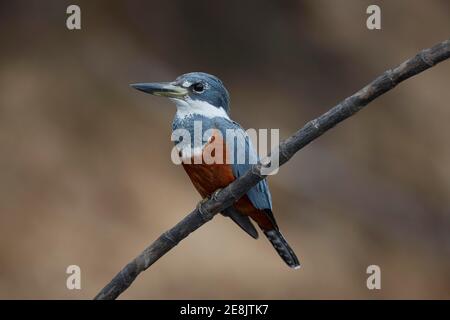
206,211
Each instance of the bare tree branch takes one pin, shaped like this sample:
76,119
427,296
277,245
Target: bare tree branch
221,200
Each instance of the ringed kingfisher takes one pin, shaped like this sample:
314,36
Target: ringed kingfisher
201,97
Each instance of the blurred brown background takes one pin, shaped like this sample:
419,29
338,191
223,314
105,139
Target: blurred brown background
85,170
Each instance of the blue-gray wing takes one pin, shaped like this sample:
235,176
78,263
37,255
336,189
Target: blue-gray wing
244,156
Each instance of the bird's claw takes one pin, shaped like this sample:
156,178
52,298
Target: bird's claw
201,202
216,193
213,196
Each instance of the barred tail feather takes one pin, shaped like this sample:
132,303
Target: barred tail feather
282,247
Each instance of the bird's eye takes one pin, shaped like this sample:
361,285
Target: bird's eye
198,87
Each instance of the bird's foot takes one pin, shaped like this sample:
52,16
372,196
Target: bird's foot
213,196
204,213
203,201
216,193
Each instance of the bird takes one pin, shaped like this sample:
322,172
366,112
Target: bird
203,99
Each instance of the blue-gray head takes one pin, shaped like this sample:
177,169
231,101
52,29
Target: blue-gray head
193,93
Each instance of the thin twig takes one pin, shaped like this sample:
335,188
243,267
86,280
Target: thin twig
312,130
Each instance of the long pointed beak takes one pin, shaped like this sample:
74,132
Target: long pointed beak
163,89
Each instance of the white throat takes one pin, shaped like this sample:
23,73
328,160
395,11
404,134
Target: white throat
189,107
